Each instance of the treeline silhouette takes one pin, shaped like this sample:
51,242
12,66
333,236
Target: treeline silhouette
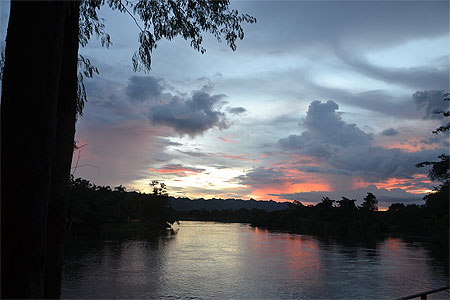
94,208
346,220
342,219
186,204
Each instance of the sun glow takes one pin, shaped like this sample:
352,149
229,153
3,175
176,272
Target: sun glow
208,183
275,192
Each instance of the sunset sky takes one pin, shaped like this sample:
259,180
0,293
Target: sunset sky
321,98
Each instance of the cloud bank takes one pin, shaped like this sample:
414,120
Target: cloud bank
192,116
348,149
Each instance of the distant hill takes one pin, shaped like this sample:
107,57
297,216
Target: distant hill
186,204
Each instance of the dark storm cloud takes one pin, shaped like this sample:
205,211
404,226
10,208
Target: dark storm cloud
348,149
236,110
106,102
389,132
262,176
430,101
190,117
377,163
186,115
325,128
142,88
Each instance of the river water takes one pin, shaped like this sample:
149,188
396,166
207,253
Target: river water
206,260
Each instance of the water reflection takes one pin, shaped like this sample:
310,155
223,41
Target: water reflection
215,260
295,256
113,269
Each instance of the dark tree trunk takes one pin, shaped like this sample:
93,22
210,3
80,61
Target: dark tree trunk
65,133
35,81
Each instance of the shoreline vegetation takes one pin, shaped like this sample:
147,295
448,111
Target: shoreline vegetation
104,212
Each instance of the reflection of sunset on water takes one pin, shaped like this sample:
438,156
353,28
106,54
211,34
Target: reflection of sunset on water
208,260
398,258
297,254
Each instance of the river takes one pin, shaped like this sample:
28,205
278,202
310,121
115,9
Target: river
206,260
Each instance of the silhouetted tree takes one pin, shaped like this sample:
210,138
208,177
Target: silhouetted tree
120,189
370,202
38,113
159,188
438,201
326,203
295,204
346,204
440,170
396,207
444,113
42,94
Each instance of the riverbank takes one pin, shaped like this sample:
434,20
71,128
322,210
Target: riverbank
410,222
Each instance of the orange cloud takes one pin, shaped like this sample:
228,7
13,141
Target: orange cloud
287,187
409,145
399,183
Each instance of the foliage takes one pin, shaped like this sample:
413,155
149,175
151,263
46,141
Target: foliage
91,207
342,222
437,201
440,170
444,113
2,64
85,70
347,205
90,24
370,202
352,223
159,188
295,204
396,207
326,203
157,20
